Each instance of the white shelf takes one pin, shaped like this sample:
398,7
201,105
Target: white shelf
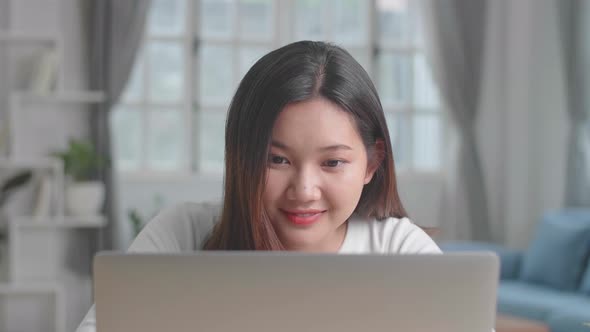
26,37
43,289
59,222
32,163
15,288
42,167
37,250
79,97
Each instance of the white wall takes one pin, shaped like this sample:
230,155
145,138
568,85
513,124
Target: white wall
4,24
4,14
75,57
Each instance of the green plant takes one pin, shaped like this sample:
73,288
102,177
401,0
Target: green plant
137,221
81,161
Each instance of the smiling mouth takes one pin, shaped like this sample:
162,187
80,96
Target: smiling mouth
303,218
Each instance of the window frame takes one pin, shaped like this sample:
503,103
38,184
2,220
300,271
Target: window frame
284,23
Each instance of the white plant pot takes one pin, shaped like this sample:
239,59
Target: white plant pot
84,198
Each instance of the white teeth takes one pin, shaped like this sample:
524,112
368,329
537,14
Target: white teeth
306,215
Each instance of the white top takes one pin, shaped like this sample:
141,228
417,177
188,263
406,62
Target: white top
185,227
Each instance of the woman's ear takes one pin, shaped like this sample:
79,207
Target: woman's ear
375,158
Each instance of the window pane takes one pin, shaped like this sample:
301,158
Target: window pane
395,22
166,17
309,23
425,92
166,143
399,132
350,22
394,82
216,75
415,26
166,71
217,18
134,89
256,19
211,138
427,141
249,56
126,124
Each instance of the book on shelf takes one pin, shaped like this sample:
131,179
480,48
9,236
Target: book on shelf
44,75
42,207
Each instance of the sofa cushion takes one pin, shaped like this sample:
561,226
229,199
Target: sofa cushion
509,259
571,319
536,302
557,255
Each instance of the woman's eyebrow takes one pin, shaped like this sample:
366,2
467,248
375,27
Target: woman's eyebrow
284,146
335,147
279,145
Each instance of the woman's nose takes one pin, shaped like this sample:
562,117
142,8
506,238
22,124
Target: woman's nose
304,186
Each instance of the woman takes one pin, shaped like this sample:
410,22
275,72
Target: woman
308,167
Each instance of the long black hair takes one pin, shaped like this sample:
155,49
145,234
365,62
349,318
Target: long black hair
293,73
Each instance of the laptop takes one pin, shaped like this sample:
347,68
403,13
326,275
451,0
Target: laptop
295,292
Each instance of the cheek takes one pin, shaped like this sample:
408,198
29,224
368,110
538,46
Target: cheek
354,175
275,185
347,186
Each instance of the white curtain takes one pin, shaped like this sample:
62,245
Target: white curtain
454,33
575,31
116,29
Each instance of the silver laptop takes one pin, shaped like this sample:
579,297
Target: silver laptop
295,292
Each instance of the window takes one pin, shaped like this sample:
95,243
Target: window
171,117
406,88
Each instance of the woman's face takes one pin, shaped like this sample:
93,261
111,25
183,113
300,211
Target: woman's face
317,168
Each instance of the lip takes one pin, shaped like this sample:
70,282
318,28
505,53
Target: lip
294,216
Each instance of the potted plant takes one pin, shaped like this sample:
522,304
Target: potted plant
84,194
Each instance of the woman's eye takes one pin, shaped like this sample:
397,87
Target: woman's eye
333,163
278,160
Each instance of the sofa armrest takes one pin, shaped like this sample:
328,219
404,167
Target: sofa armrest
509,258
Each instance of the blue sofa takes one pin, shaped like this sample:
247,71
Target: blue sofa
550,280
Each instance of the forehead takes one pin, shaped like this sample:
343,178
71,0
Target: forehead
315,122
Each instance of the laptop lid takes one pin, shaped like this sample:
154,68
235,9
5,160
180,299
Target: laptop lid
295,292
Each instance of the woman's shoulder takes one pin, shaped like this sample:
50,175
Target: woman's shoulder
180,227
193,211
390,235
200,216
